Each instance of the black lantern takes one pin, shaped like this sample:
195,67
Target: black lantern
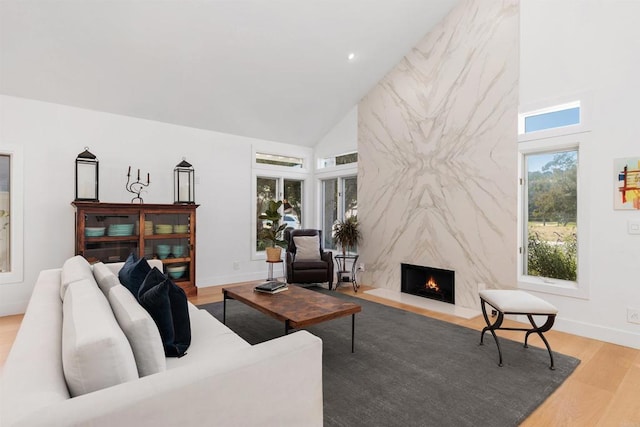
86,177
183,183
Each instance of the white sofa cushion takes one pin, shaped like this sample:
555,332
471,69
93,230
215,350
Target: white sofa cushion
95,351
307,248
210,339
140,329
105,278
74,269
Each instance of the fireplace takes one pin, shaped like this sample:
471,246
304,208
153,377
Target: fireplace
428,282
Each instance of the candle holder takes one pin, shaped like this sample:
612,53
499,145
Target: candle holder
137,186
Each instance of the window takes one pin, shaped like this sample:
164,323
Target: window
5,213
551,214
11,213
275,160
553,251
339,201
558,116
343,159
278,188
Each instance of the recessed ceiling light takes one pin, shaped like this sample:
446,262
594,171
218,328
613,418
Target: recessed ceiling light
351,56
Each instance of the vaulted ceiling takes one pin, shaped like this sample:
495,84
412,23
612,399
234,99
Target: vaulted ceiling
270,69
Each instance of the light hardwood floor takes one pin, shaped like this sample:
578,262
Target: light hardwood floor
603,391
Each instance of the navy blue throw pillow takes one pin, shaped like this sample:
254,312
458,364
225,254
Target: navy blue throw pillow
133,273
166,302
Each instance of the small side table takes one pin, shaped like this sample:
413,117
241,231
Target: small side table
270,274
341,261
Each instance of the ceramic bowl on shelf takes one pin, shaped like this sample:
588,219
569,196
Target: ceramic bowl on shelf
94,231
164,228
177,250
120,230
163,251
148,227
176,271
180,229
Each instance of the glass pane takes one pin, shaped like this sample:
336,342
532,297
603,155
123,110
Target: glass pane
329,210
554,119
272,159
292,203
266,189
551,212
110,238
5,209
346,159
350,201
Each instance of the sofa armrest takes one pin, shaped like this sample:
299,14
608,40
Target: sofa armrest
278,382
328,257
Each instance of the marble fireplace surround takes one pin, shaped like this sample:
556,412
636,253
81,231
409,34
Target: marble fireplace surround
437,157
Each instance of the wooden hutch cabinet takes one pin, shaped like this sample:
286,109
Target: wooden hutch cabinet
109,232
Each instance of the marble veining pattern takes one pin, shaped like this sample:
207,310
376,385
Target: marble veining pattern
437,179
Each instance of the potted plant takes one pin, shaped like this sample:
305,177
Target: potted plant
346,234
271,235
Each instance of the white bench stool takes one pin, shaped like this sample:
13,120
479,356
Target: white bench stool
517,302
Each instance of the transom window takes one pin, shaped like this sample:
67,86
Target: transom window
554,117
277,160
342,159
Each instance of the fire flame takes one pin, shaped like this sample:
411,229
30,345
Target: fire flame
432,285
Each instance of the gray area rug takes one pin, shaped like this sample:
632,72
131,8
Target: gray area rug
411,370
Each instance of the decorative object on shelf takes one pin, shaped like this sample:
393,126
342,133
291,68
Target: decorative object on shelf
86,177
271,234
184,183
137,186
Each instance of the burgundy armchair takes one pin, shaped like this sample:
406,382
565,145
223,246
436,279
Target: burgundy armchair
317,267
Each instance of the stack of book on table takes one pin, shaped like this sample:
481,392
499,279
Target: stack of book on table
272,287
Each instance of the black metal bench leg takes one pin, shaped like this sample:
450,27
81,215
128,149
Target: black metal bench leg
490,327
539,330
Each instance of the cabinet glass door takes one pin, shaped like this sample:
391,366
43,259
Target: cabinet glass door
110,238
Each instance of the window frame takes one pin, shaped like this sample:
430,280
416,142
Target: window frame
280,173
582,100
579,288
339,172
16,197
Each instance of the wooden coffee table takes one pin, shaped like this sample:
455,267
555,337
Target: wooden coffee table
297,307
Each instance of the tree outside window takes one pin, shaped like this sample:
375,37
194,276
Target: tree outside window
551,213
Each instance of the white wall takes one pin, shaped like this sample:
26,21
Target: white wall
53,135
343,138
591,46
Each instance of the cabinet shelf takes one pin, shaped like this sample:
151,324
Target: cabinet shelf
144,242
166,236
112,239
175,260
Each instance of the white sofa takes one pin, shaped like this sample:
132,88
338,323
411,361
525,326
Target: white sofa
222,380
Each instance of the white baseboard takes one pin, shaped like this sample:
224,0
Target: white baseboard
206,282
13,308
598,332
